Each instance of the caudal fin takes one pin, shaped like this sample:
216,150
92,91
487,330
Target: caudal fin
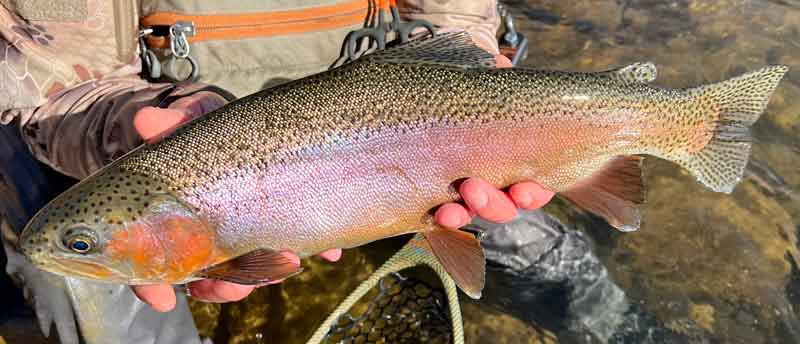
740,101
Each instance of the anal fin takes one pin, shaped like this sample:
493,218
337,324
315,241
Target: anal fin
461,255
614,192
255,267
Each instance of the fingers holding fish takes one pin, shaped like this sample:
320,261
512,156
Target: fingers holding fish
159,296
452,215
332,255
487,201
152,123
501,61
210,290
530,195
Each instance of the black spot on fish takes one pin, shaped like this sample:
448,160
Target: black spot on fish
109,198
136,199
146,204
108,210
129,210
124,198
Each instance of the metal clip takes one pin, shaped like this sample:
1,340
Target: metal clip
150,63
179,43
195,69
511,37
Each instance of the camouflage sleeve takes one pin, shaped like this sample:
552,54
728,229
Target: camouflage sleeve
81,129
72,87
478,17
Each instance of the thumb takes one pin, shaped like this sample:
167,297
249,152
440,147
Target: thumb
153,123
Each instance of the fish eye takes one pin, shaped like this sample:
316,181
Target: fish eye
80,244
79,240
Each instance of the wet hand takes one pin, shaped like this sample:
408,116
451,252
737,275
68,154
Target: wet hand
485,200
152,124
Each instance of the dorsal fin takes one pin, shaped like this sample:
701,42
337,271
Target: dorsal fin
454,49
639,72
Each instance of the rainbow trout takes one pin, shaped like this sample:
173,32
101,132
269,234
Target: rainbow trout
351,155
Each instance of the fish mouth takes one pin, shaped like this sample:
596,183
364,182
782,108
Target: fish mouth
69,267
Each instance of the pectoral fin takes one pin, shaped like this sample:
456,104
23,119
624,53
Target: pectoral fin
614,192
256,267
461,255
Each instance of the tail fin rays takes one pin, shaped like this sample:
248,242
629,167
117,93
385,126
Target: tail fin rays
740,100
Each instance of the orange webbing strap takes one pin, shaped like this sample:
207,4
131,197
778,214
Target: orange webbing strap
264,24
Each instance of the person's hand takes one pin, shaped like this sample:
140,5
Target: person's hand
152,124
501,61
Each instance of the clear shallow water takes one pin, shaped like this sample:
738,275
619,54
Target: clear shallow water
705,267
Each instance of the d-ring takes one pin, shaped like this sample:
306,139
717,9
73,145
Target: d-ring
192,75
